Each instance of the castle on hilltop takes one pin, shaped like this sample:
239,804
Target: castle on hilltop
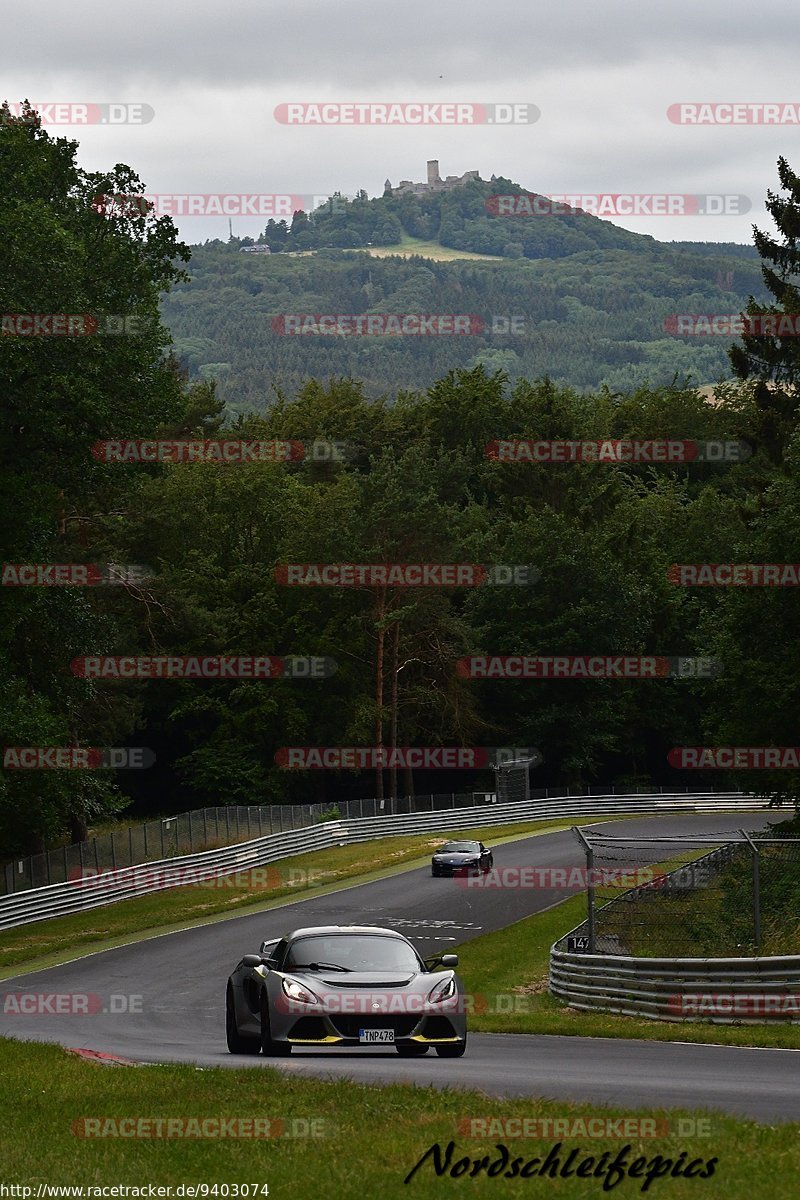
435,182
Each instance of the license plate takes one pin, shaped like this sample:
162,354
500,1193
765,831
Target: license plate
376,1035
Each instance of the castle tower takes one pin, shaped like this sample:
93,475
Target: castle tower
433,171
387,188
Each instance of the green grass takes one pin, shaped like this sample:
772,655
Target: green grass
513,963
374,1136
61,938
429,249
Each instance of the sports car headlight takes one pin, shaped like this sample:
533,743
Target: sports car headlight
443,991
296,991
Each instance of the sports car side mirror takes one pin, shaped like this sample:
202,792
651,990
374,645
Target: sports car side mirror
252,960
444,960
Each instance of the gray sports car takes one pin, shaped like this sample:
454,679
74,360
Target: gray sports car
345,985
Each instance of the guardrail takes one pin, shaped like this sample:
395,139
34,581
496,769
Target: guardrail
722,990
212,828
83,894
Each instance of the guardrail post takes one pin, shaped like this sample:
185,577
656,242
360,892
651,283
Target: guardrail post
756,892
590,930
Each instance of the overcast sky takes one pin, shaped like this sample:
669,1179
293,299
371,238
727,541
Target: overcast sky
602,74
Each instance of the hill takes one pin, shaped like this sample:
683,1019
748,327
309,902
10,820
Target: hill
570,296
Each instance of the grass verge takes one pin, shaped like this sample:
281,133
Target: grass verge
58,939
373,1137
508,970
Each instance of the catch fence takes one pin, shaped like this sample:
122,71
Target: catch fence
675,897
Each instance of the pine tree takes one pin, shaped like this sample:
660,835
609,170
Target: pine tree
773,361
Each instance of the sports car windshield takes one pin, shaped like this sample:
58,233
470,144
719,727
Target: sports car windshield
460,848
351,952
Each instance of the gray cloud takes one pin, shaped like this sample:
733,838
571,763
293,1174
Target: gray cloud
603,76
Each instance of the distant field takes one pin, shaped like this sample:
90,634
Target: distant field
410,246
407,249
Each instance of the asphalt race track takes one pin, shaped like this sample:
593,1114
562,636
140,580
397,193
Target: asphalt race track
162,1000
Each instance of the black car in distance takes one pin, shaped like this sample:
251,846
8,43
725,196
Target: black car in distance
461,857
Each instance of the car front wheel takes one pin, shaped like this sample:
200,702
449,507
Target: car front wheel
268,1047
454,1050
237,1042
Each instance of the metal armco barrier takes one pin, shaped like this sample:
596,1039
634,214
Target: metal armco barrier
746,991
723,990
81,895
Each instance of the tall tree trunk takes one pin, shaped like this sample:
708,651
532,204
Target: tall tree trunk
393,730
380,612
408,781
78,828
78,825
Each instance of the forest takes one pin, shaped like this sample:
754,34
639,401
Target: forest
572,297
416,482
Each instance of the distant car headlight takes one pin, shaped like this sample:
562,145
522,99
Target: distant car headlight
443,991
295,991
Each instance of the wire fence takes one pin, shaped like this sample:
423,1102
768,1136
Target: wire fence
210,828
675,898
198,830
